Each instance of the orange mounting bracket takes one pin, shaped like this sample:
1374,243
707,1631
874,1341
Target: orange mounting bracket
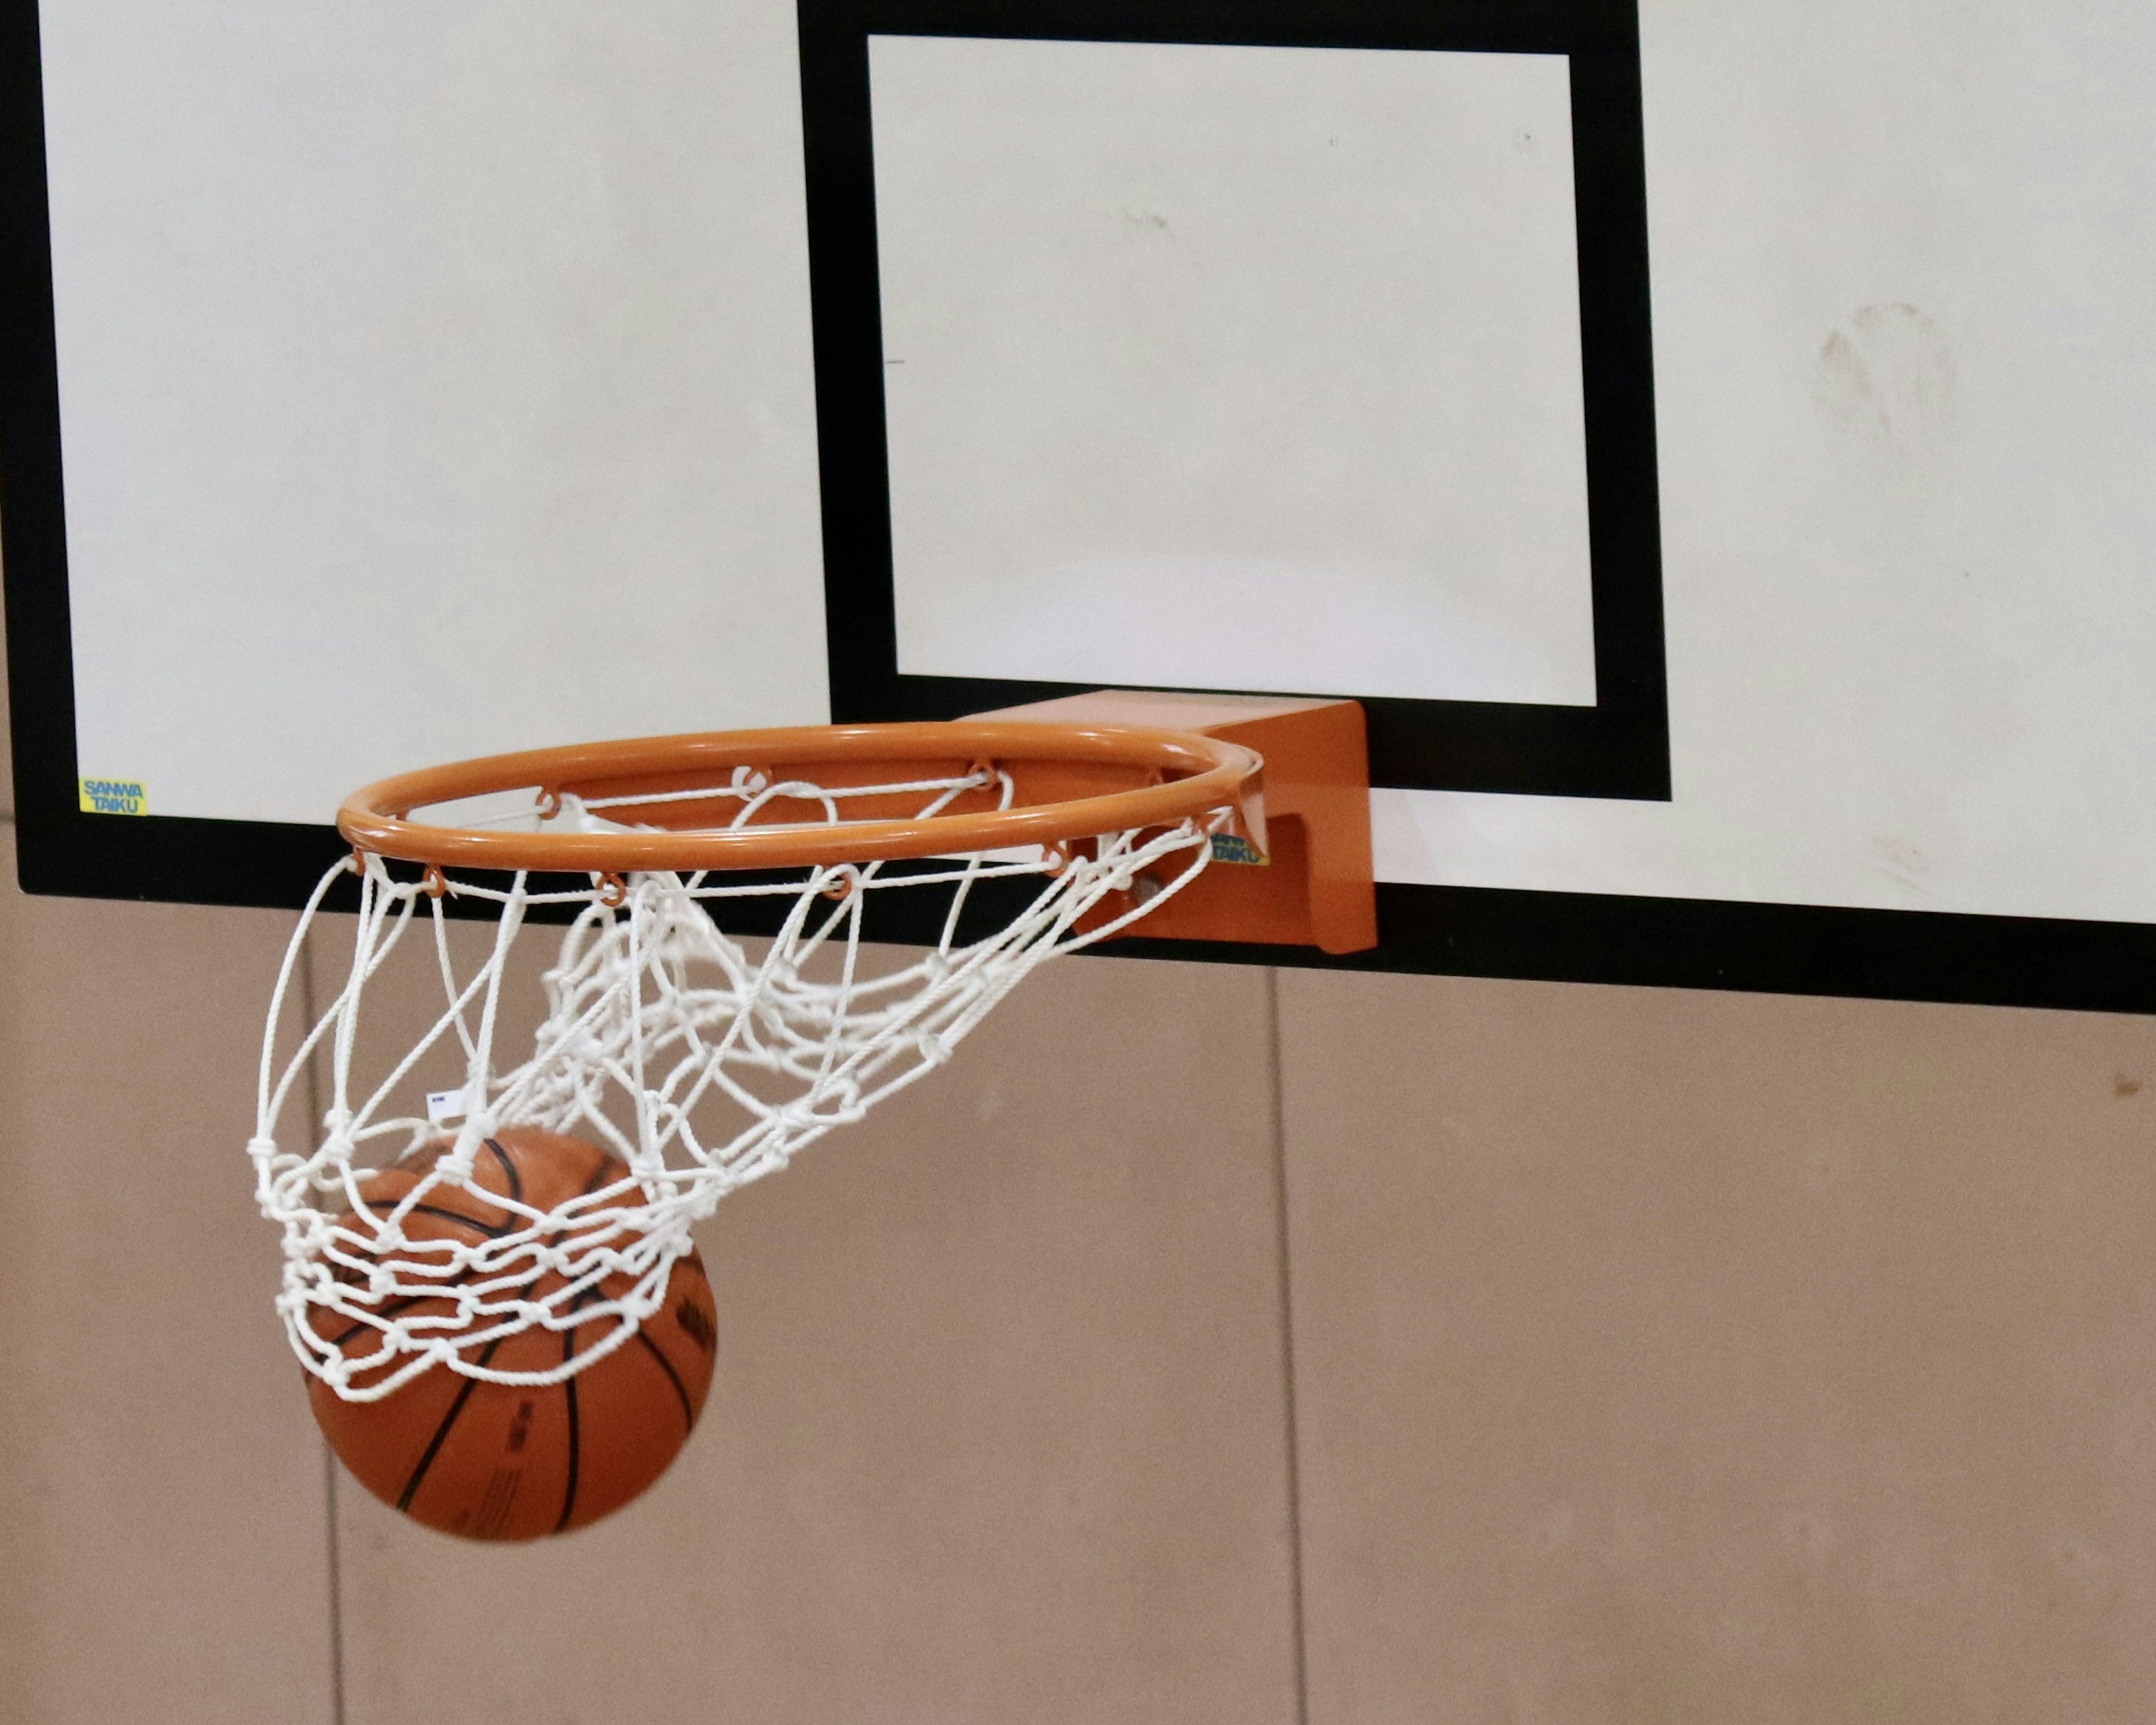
1299,872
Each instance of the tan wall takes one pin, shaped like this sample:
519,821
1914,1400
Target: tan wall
1656,1356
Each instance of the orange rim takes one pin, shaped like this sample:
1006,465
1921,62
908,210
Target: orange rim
1197,776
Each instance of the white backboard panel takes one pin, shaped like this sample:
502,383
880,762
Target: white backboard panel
1904,344
438,378
1181,340
435,379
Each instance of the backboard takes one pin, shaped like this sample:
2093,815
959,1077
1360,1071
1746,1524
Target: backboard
1711,445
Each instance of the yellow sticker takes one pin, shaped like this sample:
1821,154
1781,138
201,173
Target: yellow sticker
112,796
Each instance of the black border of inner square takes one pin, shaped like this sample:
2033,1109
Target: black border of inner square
1617,748
1798,949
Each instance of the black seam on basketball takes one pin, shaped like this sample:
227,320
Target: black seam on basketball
509,1167
569,1492
449,1419
599,1176
491,1231
569,1401
441,1434
673,1378
470,1222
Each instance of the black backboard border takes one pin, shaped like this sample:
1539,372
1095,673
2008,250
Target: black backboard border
1617,748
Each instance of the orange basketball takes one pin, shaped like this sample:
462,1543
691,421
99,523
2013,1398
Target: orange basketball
511,1461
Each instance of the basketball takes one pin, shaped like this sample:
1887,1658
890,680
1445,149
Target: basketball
497,1462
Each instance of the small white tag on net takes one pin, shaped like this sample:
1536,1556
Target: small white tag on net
444,1106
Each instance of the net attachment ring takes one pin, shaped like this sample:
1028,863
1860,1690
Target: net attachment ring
1133,778
433,882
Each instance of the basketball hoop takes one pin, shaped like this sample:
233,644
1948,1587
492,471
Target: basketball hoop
700,1066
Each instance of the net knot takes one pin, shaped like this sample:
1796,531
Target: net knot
479,1126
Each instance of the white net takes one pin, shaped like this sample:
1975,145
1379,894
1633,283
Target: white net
700,1066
